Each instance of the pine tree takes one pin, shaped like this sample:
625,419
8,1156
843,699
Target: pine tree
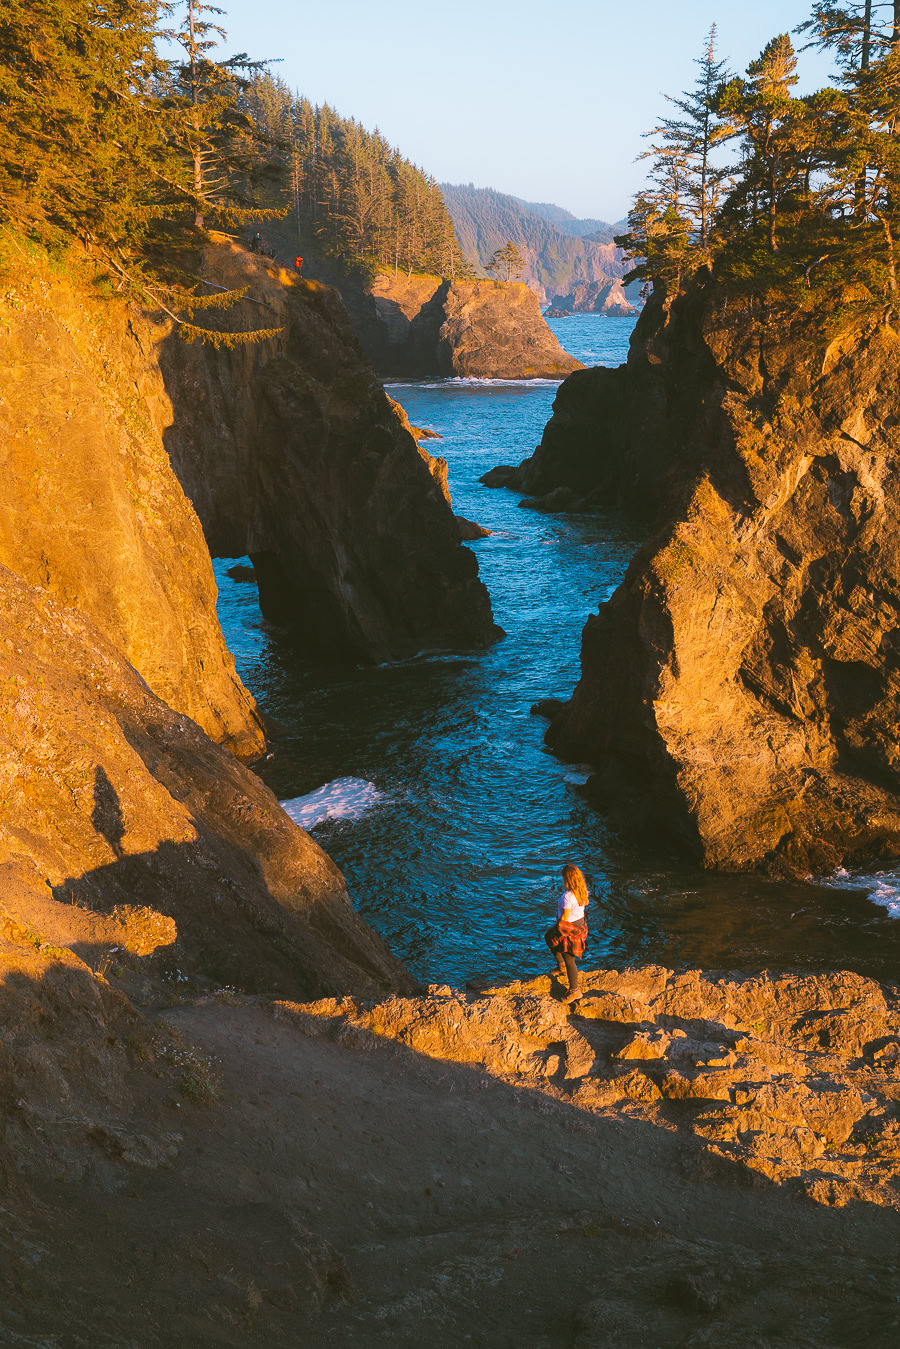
697,134
508,260
761,109
215,145
79,126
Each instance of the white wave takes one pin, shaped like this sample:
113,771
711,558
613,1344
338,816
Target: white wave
343,799
881,887
470,381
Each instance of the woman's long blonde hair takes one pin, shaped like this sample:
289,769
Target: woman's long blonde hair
573,878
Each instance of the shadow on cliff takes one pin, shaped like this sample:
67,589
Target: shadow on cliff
658,1238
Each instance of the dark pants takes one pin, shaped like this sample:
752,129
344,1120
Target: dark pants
566,965
571,970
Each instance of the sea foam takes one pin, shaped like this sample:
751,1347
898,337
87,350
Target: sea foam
342,799
881,887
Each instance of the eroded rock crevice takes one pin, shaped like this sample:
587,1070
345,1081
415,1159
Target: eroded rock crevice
290,452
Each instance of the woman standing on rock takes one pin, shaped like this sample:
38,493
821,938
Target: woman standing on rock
567,936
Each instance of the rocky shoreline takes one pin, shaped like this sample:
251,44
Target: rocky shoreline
715,1156
738,690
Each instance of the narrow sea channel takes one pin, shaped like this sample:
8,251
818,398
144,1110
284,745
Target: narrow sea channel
448,816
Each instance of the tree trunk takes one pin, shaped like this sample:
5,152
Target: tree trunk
891,259
198,189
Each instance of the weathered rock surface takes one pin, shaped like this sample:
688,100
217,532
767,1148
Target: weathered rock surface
123,822
421,326
290,452
596,297
742,680
795,1077
91,510
289,1166
486,330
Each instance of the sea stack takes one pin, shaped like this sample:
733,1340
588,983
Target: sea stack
429,326
743,677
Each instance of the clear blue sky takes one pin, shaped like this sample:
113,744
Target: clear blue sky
544,100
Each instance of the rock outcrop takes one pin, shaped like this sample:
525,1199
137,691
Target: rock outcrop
438,468
596,297
290,452
486,330
124,826
423,326
795,1077
91,510
742,680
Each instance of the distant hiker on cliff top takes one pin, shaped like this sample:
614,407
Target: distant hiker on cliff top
298,263
567,936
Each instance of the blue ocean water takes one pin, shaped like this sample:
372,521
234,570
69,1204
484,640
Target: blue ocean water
433,789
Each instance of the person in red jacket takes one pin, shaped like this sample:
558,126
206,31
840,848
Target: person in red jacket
298,263
567,936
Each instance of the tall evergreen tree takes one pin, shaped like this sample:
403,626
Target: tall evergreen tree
684,156
80,130
761,109
215,147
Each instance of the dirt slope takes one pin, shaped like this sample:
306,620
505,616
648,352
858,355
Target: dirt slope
454,1170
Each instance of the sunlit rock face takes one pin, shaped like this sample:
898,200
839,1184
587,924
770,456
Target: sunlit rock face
743,679
789,1076
596,297
291,453
91,510
122,821
423,326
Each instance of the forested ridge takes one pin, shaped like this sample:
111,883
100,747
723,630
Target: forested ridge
352,193
111,141
782,194
555,259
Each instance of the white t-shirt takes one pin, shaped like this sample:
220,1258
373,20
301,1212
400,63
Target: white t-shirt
568,909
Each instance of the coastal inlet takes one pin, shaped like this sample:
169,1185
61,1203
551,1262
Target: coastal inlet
434,791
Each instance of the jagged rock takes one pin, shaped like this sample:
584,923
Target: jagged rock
731,1055
91,509
560,499
241,572
595,297
114,804
420,326
547,707
487,330
469,530
504,475
436,464
740,681
291,453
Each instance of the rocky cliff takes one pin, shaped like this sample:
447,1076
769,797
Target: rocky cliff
115,674
91,510
596,297
124,826
743,679
423,326
290,452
